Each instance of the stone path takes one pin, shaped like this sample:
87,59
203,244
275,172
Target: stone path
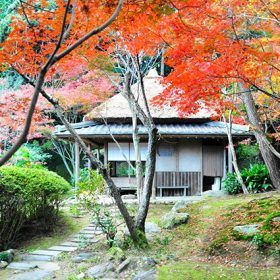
41,264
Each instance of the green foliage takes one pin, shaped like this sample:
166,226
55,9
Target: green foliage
30,155
231,184
256,179
117,253
247,155
90,185
28,194
103,218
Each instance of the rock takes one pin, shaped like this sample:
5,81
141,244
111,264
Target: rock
181,204
129,196
151,228
7,256
81,276
173,219
276,219
211,193
124,265
247,229
100,271
21,266
146,275
34,275
82,257
3,264
149,262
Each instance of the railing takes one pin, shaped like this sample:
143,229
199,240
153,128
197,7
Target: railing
171,183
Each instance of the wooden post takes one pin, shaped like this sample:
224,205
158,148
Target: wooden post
154,187
225,164
106,153
230,170
77,163
89,162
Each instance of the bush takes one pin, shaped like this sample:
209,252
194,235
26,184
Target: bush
248,154
27,195
256,178
231,184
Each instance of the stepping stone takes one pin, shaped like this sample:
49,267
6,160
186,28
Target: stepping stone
37,258
34,275
21,266
63,248
70,244
88,232
90,240
47,252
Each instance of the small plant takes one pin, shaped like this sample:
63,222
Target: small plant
83,241
75,210
102,218
164,241
258,240
256,177
117,253
231,184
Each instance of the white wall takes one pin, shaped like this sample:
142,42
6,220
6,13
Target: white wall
115,154
186,155
190,155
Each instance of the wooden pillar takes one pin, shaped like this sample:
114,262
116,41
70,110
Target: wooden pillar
106,154
230,170
225,164
154,190
77,163
89,162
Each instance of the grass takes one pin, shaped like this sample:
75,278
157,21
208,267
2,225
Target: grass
65,227
195,271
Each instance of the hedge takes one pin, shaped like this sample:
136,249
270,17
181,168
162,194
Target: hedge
27,195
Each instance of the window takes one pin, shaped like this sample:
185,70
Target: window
166,151
123,169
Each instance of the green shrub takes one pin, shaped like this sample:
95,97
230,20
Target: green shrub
248,154
231,184
256,178
26,195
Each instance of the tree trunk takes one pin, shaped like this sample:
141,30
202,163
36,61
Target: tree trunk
149,177
271,161
233,153
138,163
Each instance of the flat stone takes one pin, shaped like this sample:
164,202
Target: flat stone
100,271
37,258
146,275
89,240
124,265
46,265
90,232
181,204
46,252
276,219
82,257
129,196
247,229
151,228
69,244
21,266
172,219
34,275
212,193
63,248
3,264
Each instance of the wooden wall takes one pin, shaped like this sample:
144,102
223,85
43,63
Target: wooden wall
213,161
173,179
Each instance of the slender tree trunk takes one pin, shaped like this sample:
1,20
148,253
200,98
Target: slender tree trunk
149,177
232,150
138,163
270,159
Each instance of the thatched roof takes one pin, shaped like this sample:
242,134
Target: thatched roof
116,108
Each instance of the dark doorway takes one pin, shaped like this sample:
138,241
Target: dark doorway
207,183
